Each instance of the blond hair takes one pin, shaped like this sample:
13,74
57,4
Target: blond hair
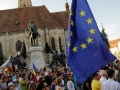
32,86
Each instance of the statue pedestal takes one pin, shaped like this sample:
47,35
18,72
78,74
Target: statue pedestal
36,57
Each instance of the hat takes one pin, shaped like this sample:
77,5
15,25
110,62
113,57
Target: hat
10,84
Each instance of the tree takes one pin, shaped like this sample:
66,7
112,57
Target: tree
105,36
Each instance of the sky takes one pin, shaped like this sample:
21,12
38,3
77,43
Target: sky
104,11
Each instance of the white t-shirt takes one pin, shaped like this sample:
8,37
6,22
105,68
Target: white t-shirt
70,85
102,79
110,84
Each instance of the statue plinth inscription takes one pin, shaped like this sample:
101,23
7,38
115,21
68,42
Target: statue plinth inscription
36,57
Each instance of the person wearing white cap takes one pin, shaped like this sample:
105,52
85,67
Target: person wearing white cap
11,86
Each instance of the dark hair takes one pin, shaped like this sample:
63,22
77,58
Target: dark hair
53,78
16,72
110,73
23,75
40,85
58,73
68,76
9,76
105,68
94,74
44,69
30,75
117,61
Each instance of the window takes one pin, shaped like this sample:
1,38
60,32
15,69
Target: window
18,45
53,43
60,45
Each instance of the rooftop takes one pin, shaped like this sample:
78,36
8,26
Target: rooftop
114,43
39,15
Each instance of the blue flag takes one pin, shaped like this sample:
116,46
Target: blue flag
9,63
35,68
86,49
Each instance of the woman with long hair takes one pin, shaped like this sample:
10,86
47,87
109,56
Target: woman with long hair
70,84
31,78
59,83
32,86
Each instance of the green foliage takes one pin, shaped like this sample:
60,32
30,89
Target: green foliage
105,36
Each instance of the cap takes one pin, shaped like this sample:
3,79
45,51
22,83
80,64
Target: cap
10,84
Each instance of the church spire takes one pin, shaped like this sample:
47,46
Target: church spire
24,3
67,7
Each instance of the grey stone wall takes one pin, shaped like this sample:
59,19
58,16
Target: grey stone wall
9,39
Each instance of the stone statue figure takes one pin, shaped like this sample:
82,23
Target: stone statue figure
33,35
58,59
23,52
62,58
17,61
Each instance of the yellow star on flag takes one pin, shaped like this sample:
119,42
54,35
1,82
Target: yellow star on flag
89,40
72,23
82,13
71,13
83,46
71,34
89,20
92,31
75,49
68,44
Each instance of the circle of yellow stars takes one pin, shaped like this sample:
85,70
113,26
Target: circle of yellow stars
92,31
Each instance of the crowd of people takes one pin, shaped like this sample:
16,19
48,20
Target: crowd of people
61,78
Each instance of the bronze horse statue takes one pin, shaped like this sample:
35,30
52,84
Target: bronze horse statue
33,35
16,60
58,59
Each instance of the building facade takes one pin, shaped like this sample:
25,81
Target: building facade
115,47
14,27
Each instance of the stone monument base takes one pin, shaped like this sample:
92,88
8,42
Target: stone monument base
36,57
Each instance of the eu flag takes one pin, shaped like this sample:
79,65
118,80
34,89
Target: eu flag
86,49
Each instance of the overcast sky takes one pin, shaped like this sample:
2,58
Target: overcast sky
105,11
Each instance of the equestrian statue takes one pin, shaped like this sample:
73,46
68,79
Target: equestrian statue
33,35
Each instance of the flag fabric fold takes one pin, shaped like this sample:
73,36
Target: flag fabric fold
86,49
35,70
9,66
